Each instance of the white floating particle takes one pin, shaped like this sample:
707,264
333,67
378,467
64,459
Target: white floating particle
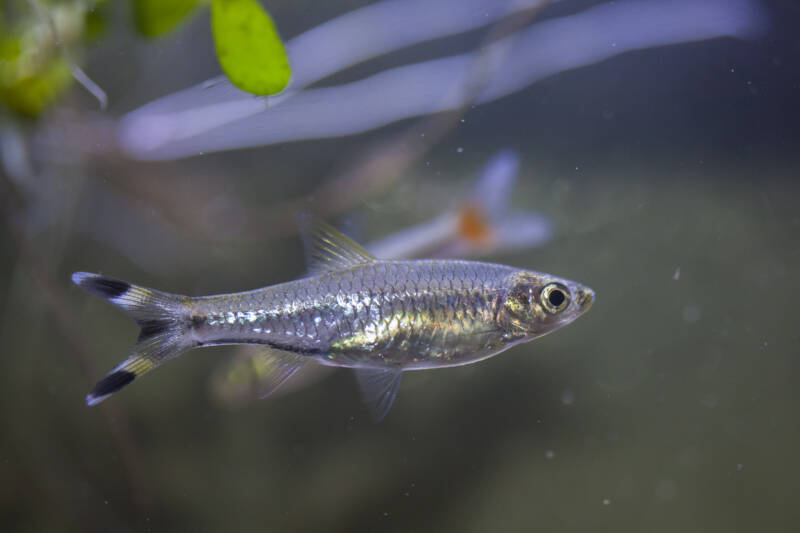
459,149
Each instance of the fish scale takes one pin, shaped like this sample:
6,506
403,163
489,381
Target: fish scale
372,300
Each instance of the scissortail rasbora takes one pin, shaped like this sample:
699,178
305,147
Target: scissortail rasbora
378,317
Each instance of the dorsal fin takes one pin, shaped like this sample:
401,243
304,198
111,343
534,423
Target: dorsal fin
327,248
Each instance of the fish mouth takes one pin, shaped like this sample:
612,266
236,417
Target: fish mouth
585,298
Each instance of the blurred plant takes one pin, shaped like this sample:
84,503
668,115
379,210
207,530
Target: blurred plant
249,49
154,18
214,116
39,37
35,36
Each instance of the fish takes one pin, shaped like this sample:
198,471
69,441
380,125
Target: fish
379,317
481,223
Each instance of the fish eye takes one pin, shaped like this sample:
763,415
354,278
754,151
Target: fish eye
554,297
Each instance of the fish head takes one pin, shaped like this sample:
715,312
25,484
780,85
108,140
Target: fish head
537,303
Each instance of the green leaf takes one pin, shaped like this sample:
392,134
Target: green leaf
95,23
30,95
248,46
10,50
157,17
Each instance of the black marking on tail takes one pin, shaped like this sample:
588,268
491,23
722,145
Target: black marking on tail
153,327
112,383
106,287
160,316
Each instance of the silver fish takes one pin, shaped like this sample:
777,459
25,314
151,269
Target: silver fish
378,317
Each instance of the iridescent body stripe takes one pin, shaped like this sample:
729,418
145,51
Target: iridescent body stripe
412,314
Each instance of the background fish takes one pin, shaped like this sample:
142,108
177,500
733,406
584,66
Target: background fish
375,316
481,223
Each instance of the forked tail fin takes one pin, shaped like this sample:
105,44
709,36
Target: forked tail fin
162,337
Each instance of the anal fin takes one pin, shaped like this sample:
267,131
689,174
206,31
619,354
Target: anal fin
378,388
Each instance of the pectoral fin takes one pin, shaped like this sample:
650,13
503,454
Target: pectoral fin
378,388
256,375
250,375
273,367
